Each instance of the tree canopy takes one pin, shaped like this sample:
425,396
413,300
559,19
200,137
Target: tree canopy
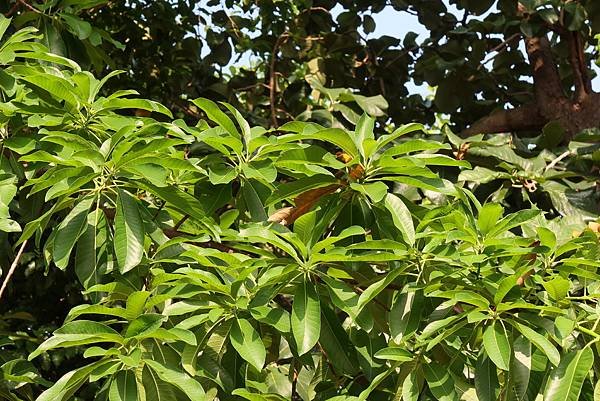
177,224
481,56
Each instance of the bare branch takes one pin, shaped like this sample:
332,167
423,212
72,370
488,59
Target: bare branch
523,118
583,84
273,77
29,6
12,10
546,81
557,160
12,268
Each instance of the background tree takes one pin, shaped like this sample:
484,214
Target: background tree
473,56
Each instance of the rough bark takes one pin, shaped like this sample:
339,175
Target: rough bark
526,117
574,112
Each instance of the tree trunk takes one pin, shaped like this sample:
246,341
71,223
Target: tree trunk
574,113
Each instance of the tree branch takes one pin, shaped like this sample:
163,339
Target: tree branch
13,267
29,6
551,102
273,77
583,84
546,81
12,10
173,232
523,118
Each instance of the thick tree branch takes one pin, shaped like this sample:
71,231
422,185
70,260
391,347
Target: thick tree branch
551,102
546,81
523,118
583,84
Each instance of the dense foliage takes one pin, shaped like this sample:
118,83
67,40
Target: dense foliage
337,256
473,55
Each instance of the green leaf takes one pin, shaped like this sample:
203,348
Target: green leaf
276,317
89,250
306,316
539,341
182,381
215,114
243,124
374,105
411,387
129,232
489,215
405,314
375,191
135,304
336,343
394,354
368,24
4,23
576,16
155,388
247,342
567,378
398,132
263,171
79,27
401,216
123,387
335,136
60,88
80,332
254,204
142,104
486,379
69,231
241,392
364,131
144,325
547,237
69,383
497,345
292,189
374,289
558,288
520,368
180,200
221,174
440,382
414,145
513,220
304,227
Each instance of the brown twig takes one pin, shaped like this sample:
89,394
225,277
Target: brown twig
499,49
272,77
180,222
557,160
13,267
12,10
246,88
187,110
359,290
29,6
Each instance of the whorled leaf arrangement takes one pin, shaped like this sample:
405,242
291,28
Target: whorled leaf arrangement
225,261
